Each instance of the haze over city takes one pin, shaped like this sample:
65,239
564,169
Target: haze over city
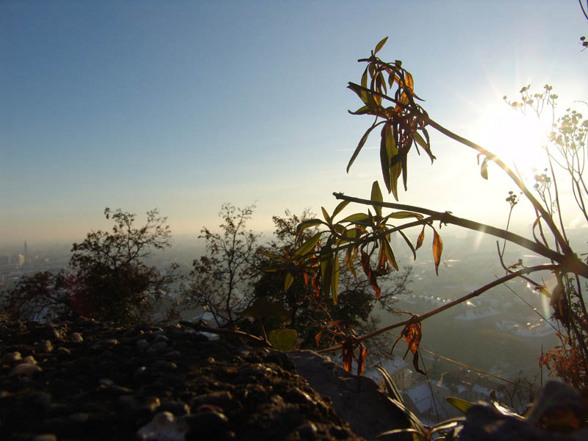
183,106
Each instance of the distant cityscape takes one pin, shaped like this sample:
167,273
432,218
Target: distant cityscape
502,332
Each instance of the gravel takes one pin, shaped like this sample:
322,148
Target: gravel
89,381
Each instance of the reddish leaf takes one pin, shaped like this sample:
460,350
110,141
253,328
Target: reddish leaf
420,239
412,335
316,284
347,356
361,359
437,249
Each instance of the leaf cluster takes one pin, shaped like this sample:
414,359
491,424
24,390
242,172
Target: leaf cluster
387,93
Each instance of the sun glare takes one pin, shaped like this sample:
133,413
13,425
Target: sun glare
518,140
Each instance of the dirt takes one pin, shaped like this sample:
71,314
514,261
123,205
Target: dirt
86,380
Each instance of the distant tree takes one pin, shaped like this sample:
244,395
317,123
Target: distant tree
311,309
110,280
220,280
107,277
39,296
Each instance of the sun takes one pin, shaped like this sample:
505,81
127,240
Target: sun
518,140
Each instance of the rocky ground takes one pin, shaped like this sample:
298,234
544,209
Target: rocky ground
89,381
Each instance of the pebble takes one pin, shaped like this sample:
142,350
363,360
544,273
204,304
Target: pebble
25,369
63,352
173,355
177,408
29,359
11,358
108,343
157,347
221,398
142,344
45,347
137,404
163,427
76,337
307,431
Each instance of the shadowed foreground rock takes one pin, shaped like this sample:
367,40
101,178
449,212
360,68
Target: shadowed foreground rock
88,381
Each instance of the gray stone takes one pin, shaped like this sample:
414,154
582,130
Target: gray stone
357,399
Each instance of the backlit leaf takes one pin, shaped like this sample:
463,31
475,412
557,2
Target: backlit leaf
308,224
361,111
459,404
361,359
335,278
357,217
404,215
389,253
288,281
326,271
340,208
364,79
408,81
484,169
395,172
437,249
421,238
326,215
361,143
377,197
388,150
380,45
408,242
412,335
308,246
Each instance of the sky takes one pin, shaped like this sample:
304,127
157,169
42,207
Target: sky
185,105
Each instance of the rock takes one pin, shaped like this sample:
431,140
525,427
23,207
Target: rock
349,394
25,369
163,427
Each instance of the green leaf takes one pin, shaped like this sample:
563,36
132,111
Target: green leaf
377,197
326,271
308,246
389,253
404,215
335,278
484,169
308,224
326,215
288,281
361,111
357,217
340,208
408,242
364,79
395,172
387,151
380,45
350,234
283,339
361,143
459,404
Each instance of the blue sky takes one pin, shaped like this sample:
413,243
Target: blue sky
185,105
